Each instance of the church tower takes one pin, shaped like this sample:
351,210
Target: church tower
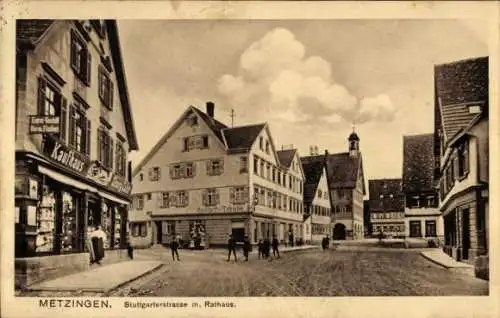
353,144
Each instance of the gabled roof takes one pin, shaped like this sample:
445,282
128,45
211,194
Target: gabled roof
380,195
342,170
285,157
457,85
30,32
418,163
241,138
215,125
313,167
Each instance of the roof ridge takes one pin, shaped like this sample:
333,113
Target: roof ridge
461,61
244,126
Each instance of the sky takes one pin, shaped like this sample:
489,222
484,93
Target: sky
311,80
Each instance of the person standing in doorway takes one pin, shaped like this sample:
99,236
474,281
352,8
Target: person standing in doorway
231,246
275,243
97,237
174,246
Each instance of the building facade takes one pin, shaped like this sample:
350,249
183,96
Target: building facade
74,130
347,188
461,155
386,206
206,179
317,211
422,216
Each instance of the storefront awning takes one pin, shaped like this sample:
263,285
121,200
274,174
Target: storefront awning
80,185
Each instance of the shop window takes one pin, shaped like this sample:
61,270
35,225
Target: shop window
118,228
52,103
107,224
197,229
210,197
215,167
154,174
243,164
105,147
121,159
80,58
46,222
106,88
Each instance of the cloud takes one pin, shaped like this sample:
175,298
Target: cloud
276,77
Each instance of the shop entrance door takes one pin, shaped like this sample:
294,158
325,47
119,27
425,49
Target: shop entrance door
159,232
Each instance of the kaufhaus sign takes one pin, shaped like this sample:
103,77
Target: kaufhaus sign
65,156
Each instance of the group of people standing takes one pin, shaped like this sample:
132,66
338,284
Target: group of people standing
264,247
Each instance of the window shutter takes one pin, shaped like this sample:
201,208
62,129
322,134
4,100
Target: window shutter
62,119
99,144
88,72
231,195
186,194
99,82
41,95
111,90
159,199
87,138
182,171
117,156
72,125
221,164
204,197
73,50
111,141
456,173
466,157
246,193
217,197
150,174
209,167
193,165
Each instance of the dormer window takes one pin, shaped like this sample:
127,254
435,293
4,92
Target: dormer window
474,109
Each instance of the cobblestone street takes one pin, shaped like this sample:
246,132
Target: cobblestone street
311,273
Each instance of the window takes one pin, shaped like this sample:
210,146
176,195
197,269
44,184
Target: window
270,199
320,193
261,143
106,88
164,200
284,179
139,229
431,201
268,171
215,167
189,170
255,165
176,171
210,197
415,202
279,177
195,142
243,164
79,130
105,147
148,196
81,60
182,198
474,109
141,177
154,174
348,208
463,160
239,195
139,202
430,228
182,170
290,182
274,174
267,147
262,164
51,103
121,159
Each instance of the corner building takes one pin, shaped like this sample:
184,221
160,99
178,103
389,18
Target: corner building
205,178
74,130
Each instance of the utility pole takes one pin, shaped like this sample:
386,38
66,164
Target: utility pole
232,117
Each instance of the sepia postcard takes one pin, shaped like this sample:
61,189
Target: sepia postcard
249,158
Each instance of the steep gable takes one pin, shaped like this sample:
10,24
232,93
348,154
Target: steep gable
241,139
342,170
314,169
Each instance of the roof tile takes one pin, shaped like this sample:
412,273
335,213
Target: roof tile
380,195
418,163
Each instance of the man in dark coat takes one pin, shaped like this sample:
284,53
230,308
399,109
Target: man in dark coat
275,243
261,248
267,247
174,246
290,238
231,246
246,247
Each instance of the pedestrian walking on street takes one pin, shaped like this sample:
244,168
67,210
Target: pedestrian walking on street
174,246
275,244
261,248
246,247
231,246
267,247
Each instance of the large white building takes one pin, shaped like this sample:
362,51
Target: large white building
205,178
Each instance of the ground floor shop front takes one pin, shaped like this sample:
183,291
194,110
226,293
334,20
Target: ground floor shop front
465,218
55,212
214,229
389,228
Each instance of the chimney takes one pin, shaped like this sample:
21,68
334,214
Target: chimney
210,109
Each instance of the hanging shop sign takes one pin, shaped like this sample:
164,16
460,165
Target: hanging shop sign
44,124
121,185
237,208
99,174
63,155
